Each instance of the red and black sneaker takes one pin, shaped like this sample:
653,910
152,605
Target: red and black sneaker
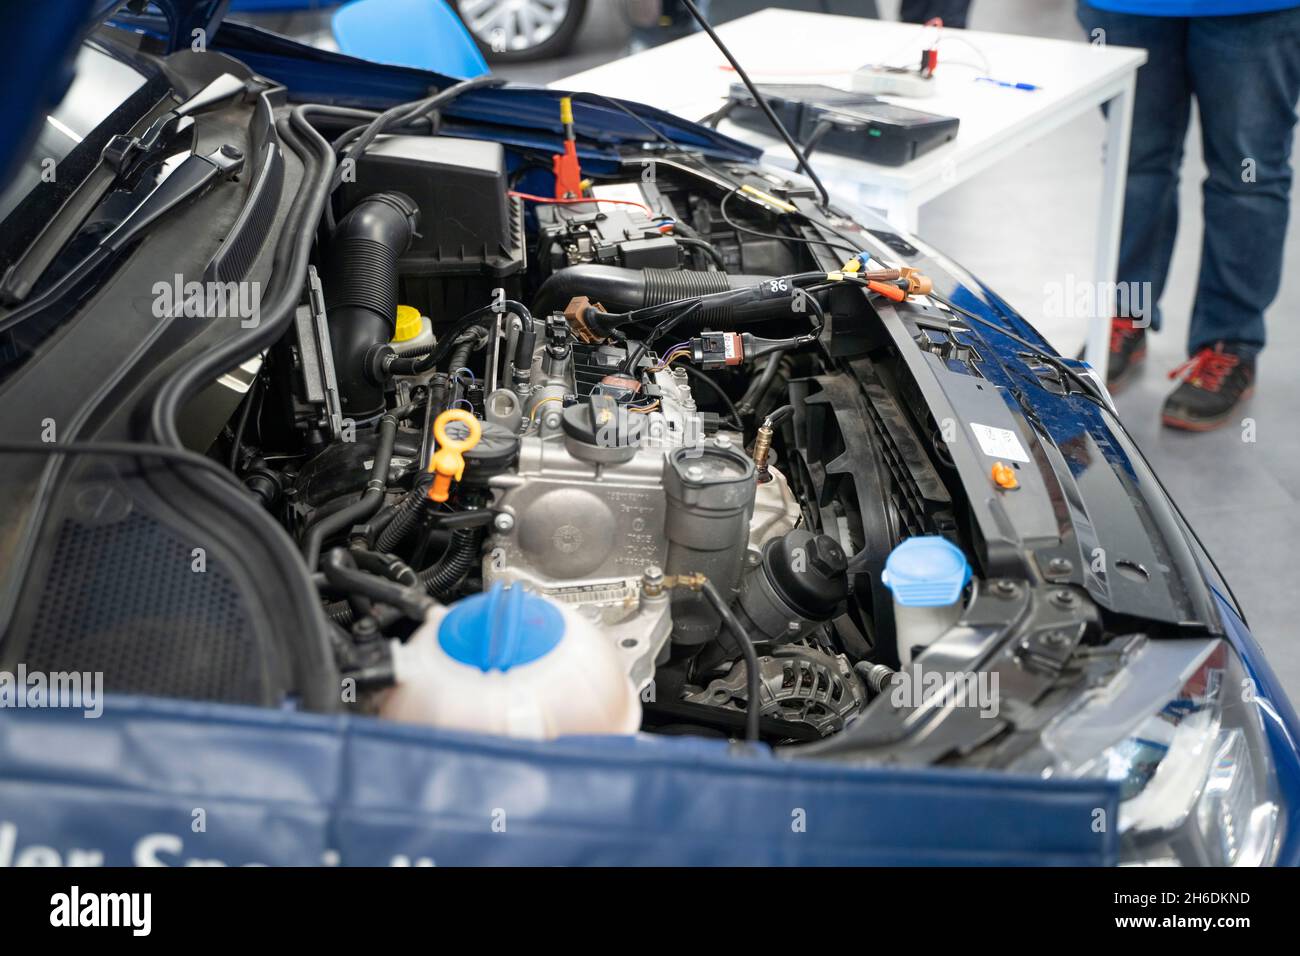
1215,381
1128,349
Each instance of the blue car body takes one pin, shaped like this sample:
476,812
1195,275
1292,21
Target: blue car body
168,783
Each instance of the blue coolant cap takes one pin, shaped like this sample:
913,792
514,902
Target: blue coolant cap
501,628
926,571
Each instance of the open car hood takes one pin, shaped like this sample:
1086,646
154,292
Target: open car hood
41,44
44,38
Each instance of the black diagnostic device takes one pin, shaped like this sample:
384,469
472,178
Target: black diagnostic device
843,122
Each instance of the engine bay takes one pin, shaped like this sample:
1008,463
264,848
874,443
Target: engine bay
620,410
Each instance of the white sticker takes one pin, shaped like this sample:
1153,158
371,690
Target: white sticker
622,192
999,442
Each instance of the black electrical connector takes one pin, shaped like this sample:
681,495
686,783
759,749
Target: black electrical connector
712,350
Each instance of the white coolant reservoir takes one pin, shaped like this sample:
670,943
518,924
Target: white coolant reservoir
926,575
513,663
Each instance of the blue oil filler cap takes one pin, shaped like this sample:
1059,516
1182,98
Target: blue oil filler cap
501,628
926,571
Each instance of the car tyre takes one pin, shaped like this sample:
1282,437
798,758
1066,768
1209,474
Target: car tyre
556,44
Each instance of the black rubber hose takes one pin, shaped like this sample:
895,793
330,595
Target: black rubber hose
236,443
753,680
778,415
697,376
314,668
343,614
754,394
525,345
342,573
410,511
451,569
383,564
624,290
708,248
460,354
360,282
371,498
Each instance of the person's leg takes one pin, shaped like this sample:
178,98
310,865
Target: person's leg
954,13
1246,75
1161,111
655,22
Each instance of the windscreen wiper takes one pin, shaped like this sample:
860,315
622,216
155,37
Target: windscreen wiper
121,159
191,179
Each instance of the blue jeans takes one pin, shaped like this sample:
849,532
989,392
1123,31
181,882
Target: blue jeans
1244,73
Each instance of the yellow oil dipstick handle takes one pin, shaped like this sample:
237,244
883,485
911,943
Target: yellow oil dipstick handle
448,461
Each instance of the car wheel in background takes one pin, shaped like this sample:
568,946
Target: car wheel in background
519,30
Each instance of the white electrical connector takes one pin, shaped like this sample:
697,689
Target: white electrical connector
891,81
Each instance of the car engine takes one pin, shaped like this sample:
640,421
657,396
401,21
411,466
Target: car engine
617,409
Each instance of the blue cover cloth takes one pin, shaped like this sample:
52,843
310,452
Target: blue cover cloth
165,782
1193,8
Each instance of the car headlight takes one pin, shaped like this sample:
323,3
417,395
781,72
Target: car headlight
1181,731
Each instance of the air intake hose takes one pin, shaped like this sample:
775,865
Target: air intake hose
622,290
361,295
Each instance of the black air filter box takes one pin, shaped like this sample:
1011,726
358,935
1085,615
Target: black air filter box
468,223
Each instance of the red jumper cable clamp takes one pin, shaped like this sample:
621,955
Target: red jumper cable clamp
568,174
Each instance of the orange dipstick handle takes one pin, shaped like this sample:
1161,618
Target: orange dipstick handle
448,462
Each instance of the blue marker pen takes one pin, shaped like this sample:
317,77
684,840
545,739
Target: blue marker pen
1010,86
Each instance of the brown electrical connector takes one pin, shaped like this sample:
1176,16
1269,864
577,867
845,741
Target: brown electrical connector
917,283
622,388
575,314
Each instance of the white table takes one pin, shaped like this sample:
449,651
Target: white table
691,78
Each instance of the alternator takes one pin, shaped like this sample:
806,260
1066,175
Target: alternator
799,684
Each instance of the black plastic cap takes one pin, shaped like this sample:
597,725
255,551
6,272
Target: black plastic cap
809,571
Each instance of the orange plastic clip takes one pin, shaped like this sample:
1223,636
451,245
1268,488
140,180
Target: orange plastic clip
1004,476
448,462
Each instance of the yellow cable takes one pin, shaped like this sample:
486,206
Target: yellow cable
768,198
553,398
